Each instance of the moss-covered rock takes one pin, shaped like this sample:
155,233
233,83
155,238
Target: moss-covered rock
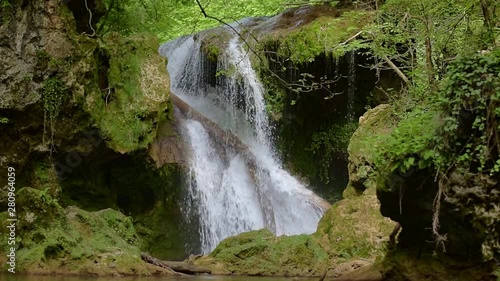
430,181
363,145
303,34
353,228
51,239
134,98
262,253
350,233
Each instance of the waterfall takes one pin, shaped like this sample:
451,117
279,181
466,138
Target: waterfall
226,198
351,90
229,195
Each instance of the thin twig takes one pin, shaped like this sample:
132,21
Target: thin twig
90,19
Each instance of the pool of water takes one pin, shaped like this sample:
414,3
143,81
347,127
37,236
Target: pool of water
19,277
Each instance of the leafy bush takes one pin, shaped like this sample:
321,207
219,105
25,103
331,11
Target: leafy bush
472,96
411,143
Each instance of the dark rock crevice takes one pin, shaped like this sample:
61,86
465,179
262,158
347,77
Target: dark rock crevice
86,21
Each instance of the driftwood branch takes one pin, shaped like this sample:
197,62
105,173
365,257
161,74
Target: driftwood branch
154,261
386,59
177,266
186,268
396,69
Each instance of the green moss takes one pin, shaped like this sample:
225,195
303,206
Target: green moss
53,239
53,93
350,191
129,109
213,42
375,122
354,228
212,52
261,253
323,35
364,147
42,56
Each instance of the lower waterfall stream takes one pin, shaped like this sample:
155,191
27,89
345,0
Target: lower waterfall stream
226,193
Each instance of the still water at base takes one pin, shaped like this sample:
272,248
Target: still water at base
18,277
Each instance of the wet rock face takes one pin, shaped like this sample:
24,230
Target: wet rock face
408,199
35,45
52,73
35,33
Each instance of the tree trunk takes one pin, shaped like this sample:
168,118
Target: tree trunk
176,266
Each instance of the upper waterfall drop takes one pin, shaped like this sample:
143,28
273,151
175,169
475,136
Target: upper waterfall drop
232,193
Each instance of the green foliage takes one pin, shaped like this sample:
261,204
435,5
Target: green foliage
411,144
473,92
4,120
437,136
324,35
412,34
333,141
170,19
422,37
275,97
6,11
53,93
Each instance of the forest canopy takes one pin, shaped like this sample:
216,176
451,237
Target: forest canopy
172,18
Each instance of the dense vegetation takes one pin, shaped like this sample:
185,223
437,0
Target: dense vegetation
442,124
444,52
170,19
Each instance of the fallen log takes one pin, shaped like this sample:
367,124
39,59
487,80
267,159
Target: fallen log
212,127
218,133
177,266
186,268
154,261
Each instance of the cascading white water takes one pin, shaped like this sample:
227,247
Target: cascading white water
351,90
230,196
226,198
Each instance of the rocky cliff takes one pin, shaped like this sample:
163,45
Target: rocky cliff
78,112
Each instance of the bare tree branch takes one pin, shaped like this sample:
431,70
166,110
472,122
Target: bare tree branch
396,69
